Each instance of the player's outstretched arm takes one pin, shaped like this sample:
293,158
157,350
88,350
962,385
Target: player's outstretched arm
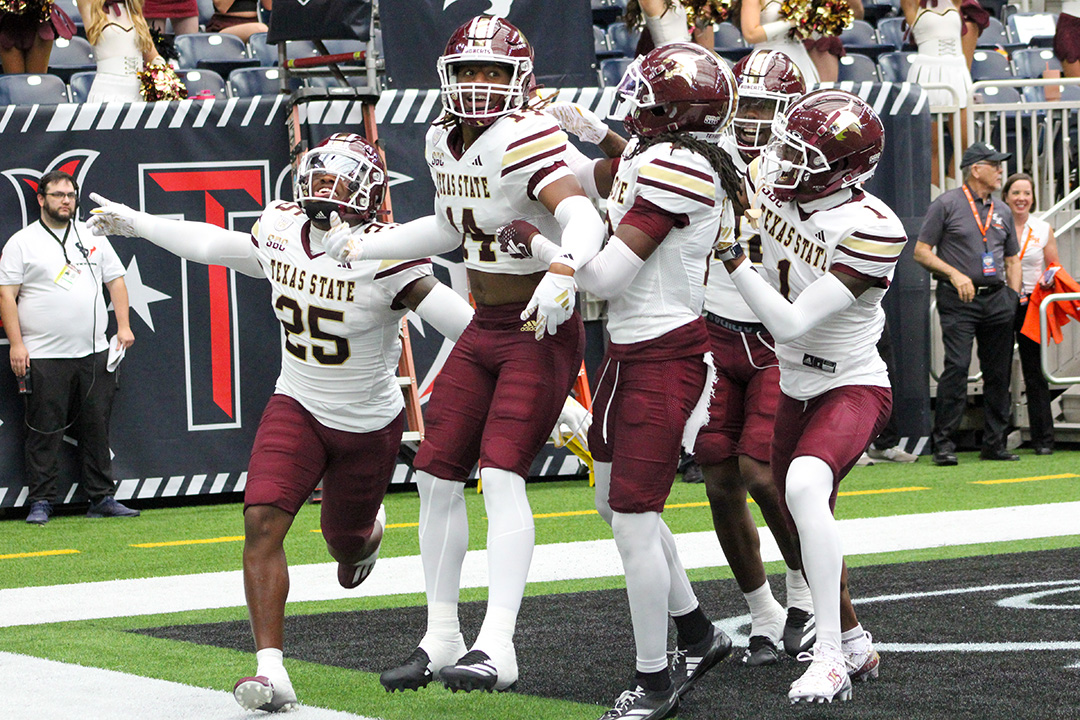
440,307
786,321
413,240
199,242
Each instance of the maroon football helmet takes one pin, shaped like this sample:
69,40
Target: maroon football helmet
828,140
679,87
485,39
768,83
343,173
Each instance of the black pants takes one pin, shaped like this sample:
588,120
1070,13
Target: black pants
1035,387
66,389
987,319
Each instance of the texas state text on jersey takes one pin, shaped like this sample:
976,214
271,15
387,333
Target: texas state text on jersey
495,181
340,347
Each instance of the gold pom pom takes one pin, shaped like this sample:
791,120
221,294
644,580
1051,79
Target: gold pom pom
817,18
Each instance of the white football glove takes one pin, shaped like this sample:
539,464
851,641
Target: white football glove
111,218
339,241
578,120
574,423
553,300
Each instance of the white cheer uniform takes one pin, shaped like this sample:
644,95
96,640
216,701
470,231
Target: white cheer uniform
342,321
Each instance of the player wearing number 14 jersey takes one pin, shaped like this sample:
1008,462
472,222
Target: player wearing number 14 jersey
337,411
502,388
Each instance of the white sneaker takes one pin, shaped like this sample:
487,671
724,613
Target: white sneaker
864,460
893,454
861,658
258,693
824,681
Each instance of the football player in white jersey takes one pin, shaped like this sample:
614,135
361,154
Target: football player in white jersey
829,252
503,387
734,448
669,201
337,412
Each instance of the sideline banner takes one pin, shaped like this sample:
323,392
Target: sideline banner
560,34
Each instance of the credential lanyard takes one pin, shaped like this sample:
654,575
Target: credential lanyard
983,228
1027,239
62,243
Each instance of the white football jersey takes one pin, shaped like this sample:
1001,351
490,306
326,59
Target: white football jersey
495,181
802,242
669,289
341,345
721,296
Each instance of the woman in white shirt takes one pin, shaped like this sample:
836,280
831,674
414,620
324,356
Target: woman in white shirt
763,27
1038,249
122,44
667,21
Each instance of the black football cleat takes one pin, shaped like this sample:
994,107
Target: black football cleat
642,704
476,670
413,674
687,665
799,632
761,651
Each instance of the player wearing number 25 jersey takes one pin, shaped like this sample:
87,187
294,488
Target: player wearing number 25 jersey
502,388
337,412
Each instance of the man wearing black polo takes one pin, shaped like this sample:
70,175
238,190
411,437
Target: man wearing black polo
978,271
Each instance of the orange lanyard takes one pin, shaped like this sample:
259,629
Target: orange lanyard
1026,241
978,221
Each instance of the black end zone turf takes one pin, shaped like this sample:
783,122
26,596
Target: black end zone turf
579,646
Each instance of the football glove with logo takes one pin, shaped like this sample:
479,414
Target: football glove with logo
339,241
580,121
553,301
111,218
515,238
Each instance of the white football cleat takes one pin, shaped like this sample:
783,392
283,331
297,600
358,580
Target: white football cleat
825,680
861,658
258,693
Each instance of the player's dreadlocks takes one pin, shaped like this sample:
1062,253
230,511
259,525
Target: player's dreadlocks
730,179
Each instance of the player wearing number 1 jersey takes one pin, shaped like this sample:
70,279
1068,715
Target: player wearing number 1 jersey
829,251
503,386
337,411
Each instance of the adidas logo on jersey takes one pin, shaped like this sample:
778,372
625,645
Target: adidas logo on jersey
530,326
477,162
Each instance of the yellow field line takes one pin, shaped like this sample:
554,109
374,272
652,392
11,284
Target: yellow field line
1027,479
41,553
206,541
881,492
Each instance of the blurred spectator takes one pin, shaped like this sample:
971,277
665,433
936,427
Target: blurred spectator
237,17
763,27
1038,249
668,21
976,19
184,15
827,50
26,37
1067,38
936,26
122,43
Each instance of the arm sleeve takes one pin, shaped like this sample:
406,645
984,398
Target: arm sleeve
446,311
583,168
582,230
420,238
201,242
787,321
611,271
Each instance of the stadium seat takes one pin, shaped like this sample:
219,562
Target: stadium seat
79,85
605,12
219,52
203,81
894,65
1032,62
860,33
892,31
998,95
727,37
71,56
248,82
994,35
857,68
990,65
1023,26
206,11
1037,93
267,54
31,89
612,70
623,40
601,44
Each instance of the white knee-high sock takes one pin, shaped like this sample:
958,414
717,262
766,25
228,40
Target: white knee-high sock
809,484
681,598
510,540
444,538
637,535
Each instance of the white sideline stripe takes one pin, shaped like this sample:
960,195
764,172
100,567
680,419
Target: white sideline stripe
111,695
596,558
